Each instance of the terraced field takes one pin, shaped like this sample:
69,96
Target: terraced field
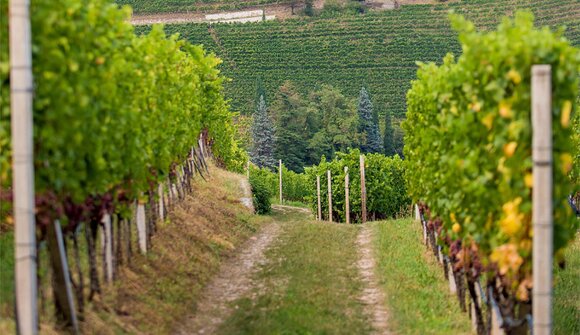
164,6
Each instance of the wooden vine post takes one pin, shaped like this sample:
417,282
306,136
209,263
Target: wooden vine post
63,293
280,179
346,199
141,228
363,189
329,196
542,199
21,90
161,206
108,246
319,217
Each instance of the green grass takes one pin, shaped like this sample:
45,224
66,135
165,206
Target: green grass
6,273
567,293
417,293
309,285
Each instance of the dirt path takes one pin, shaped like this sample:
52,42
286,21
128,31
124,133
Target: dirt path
281,11
372,297
285,209
246,200
231,283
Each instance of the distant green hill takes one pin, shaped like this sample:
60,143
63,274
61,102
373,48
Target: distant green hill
378,50
169,6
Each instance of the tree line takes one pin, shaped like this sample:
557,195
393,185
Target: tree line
300,129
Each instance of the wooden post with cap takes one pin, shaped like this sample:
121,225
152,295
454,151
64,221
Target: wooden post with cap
346,196
21,122
542,212
363,189
319,217
329,196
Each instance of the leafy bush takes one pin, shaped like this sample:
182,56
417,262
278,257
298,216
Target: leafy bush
294,185
385,185
468,146
261,190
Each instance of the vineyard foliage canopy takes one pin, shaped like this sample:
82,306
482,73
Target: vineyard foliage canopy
468,146
113,112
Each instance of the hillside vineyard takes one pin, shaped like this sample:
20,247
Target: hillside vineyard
378,50
160,6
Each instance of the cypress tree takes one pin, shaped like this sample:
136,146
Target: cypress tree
389,138
263,146
368,124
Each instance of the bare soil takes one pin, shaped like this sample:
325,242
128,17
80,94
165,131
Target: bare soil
233,281
281,11
246,200
372,297
285,209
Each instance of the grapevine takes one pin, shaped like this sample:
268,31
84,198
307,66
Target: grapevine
468,149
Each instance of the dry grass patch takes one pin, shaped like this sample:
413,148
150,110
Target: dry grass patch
156,292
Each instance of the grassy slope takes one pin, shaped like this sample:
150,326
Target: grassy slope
6,272
158,290
309,284
377,50
567,293
417,293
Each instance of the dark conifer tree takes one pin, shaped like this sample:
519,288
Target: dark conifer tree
368,125
263,145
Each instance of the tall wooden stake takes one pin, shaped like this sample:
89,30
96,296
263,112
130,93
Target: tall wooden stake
363,189
346,199
319,217
108,246
542,198
417,213
21,89
141,228
70,306
280,173
329,196
161,206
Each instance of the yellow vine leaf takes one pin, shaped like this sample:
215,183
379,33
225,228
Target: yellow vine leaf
529,180
505,110
514,76
507,258
509,149
566,160
456,228
566,111
488,121
512,221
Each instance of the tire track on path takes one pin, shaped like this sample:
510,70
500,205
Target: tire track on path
372,296
232,282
